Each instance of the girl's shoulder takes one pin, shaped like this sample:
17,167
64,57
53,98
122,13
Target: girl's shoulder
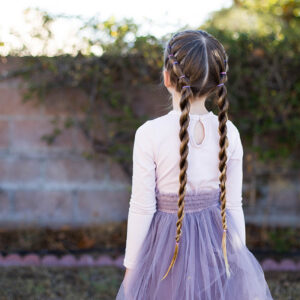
155,130
149,125
166,123
231,127
233,134
235,147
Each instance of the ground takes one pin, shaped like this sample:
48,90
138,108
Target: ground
101,283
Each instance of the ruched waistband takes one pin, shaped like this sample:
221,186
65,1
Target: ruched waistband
193,201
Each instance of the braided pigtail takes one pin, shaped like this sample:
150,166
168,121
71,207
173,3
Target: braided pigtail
223,105
186,92
197,66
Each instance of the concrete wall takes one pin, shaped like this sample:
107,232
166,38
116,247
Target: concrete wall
54,185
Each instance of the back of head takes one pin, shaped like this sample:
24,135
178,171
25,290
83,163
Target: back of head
201,59
197,64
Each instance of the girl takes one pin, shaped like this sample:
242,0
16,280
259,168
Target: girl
208,259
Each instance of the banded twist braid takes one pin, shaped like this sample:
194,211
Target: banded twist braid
184,104
205,77
223,106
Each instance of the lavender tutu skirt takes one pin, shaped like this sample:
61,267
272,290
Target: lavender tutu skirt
199,270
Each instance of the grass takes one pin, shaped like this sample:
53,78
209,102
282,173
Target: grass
101,283
59,283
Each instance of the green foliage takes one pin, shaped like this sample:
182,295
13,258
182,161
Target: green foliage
283,241
261,39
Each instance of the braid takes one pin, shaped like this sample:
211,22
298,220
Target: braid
203,59
223,105
186,92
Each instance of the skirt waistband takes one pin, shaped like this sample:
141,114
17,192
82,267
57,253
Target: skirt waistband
193,201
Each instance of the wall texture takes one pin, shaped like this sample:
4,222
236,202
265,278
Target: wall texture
54,185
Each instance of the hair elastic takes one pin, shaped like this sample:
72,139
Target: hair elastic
175,62
170,55
223,72
220,84
185,86
181,76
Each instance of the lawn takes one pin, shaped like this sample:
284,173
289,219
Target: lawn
100,283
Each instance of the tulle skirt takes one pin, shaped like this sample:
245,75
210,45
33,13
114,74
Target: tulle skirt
199,270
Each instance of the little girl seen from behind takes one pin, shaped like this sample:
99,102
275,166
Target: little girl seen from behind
186,228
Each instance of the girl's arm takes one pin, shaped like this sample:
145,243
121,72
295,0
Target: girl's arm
142,205
234,184
126,279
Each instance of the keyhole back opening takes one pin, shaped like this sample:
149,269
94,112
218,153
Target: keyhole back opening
199,133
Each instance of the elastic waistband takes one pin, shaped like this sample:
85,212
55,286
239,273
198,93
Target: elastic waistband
193,201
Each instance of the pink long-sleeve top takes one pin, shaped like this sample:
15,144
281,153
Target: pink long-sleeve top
156,165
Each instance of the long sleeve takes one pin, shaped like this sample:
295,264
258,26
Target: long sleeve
142,205
234,184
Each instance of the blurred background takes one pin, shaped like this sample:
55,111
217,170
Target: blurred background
77,79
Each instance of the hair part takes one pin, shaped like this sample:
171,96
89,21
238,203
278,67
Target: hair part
195,60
